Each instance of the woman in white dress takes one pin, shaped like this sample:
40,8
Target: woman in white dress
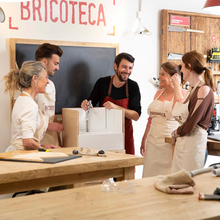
28,123
158,154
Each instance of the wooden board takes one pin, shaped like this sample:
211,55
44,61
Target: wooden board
91,203
24,177
41,157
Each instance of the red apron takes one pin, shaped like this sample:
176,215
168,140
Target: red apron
129,140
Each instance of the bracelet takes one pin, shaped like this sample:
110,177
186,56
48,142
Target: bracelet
174,135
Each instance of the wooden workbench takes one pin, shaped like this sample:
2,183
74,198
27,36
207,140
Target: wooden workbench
91,203
213,147
21,176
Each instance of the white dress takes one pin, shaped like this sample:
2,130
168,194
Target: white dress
190,149
27,122
158,154
46,103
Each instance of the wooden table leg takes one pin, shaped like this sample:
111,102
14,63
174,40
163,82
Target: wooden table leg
128,174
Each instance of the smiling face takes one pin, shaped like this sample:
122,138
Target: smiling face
42,81
52,64
124,70
165,78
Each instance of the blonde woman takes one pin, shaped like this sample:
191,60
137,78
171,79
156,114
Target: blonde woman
28,123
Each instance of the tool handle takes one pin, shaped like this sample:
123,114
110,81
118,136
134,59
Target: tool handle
196,31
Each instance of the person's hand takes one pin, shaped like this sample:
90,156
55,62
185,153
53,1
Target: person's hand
110,105
55,127
50,146
142,149
176,79
173,140
85,104
30,144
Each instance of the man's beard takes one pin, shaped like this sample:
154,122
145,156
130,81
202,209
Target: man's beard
119,76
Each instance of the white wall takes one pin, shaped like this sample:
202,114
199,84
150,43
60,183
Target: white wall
146,49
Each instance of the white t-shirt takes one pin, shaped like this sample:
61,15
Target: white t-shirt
25,118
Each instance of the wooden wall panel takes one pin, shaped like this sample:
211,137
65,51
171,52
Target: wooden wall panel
182,42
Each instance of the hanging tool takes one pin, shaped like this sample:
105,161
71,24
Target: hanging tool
214,57
100,153
87,115
174,56
180,29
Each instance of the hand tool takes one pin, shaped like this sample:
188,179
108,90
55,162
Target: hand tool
180,29
100,153
43,149
87,115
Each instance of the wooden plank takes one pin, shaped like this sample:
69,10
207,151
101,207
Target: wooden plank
91,203
163,36
70,119
20,176
77,179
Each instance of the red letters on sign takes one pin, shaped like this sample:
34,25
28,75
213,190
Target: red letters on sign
36,8
73,11
85,11
51,11
101,11
22,11
91,22
81,12
63,2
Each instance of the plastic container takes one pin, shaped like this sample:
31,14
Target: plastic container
122,187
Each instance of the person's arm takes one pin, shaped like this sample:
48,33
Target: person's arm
176,80
94,96
144,138
55,126
200,105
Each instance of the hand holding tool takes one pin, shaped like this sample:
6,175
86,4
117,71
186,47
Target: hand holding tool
87,115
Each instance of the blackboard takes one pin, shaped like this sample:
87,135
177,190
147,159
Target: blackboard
81,66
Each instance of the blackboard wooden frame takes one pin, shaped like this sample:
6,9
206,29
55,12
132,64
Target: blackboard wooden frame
85,46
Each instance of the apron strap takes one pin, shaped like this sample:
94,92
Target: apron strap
110,88
160,94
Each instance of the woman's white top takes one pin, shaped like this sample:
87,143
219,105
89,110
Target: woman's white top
25,118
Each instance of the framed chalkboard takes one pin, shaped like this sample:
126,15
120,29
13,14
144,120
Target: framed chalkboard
81,65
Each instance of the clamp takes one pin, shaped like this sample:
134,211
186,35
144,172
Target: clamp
100,153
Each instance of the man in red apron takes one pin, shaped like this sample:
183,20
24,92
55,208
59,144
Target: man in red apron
119,92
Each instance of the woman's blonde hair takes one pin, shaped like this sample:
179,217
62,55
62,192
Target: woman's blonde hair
197,64
20,79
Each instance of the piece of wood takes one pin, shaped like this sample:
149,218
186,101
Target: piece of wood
40,175
91,203
71,125
213,147
25,159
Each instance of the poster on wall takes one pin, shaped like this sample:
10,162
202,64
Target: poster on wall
180,21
